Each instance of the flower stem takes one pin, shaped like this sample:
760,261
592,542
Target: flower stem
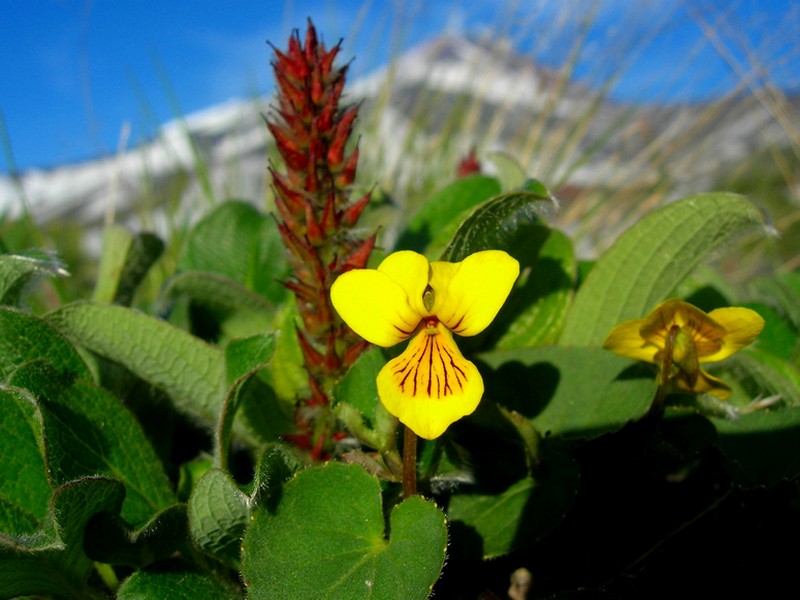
409,463
666,371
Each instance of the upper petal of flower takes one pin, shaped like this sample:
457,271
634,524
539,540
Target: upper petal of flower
626,340
741,325
411,271
469,294
430,385
374,306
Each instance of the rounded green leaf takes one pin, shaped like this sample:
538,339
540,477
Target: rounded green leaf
650,259
327,539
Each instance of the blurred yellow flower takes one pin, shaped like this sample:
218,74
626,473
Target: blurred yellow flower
430,385
680,337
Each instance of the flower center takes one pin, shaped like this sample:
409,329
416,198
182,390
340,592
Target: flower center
432,365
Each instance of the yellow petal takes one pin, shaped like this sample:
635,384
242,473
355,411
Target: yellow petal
741,325
430,385
411,271
374,306
703,384
626,340
469,294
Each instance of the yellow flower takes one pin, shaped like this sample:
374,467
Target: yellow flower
430,385
680,337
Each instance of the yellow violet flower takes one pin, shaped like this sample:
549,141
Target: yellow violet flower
430,385
680,337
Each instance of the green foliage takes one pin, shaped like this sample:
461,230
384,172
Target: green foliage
153,451
649,260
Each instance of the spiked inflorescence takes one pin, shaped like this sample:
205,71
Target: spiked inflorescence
316,216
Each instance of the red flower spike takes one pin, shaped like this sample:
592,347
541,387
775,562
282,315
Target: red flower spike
343,128
359,258
347,175
315,217
330,216
351,214
318,396
313,230
312,357
304,292
353,352
294,200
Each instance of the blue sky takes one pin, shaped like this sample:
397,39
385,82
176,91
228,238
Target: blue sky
73,71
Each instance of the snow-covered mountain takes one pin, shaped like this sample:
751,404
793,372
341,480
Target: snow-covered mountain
469,92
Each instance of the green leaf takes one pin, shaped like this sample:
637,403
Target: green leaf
358,387
510,222
60,571
245,355
779,337
244,359
24,488
25,338
111,540
510,172
276,465
763,447
286,373
649,260
239,242
218,512
215,290
772,374
781,291
570,392
519,515
17,270
189,370
441,210
125,260
534,312
87,432
176,580
339,548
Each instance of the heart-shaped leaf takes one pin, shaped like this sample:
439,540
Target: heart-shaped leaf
327,539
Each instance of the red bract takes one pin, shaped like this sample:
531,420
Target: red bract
315,215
